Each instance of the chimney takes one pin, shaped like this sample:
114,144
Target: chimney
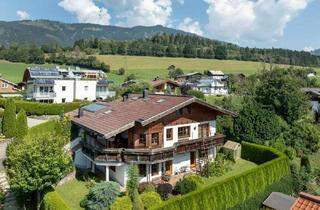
145,93
80,112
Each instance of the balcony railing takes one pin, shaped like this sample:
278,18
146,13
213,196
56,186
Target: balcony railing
145,156
106,94
42,95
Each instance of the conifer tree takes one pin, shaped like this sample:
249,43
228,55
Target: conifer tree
22,125
9,119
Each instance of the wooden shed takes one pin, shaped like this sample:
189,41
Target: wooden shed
234,148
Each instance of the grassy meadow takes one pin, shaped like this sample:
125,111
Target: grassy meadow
146,68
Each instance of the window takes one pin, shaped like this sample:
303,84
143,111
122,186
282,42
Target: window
204,130
184,132
155,138
113,168
142,170
142,139
155,169
86,88
4,85
64,88
63,100
169,134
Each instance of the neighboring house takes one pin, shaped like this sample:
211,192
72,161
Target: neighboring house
194,76
280,201
65,85
306,201
314,94
8,87
165,86
162,134
215,83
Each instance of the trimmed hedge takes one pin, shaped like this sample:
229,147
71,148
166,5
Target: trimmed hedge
285,185
42,128
235,190
53,201
37,108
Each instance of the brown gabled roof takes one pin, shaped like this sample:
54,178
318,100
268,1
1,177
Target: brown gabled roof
306,202
118,116
156,83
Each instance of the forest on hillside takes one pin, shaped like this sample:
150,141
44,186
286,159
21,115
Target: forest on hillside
161,45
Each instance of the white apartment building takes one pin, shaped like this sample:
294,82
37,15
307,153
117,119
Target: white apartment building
65,85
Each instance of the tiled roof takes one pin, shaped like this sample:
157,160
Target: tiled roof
306,202
119,115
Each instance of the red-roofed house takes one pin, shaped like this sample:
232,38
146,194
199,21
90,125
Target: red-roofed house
161,134
163,86
306,202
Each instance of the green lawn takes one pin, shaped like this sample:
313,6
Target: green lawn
240,166
146,68
72,193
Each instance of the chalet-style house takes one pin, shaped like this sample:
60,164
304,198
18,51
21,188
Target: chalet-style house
8,87
65,85
162,134
194,76
164,86
214,83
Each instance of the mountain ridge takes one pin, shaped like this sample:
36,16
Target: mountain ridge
47,31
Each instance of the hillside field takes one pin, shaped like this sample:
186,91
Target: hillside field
146,68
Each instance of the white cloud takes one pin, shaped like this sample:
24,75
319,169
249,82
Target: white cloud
141,12
86,11
23,15
190,26
245,20
308,49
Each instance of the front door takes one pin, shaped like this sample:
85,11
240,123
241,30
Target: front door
193,159
169,167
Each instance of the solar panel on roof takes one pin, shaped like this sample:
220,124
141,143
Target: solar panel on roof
93,107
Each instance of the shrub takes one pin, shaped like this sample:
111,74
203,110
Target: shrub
22,125
122,203
147,187
150,199
235,190
189,184
102,195
130,77
36,108
305,162
132,187
196,93
121,71
9,119
53,201
164,190
218,167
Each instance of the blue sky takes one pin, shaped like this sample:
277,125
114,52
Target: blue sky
256,23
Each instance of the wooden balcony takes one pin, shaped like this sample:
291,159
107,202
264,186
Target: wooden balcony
150,156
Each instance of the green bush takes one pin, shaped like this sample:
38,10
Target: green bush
53,201
235,190
36,108
122,203
102,195
22,125
189,184
150,199
9,124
